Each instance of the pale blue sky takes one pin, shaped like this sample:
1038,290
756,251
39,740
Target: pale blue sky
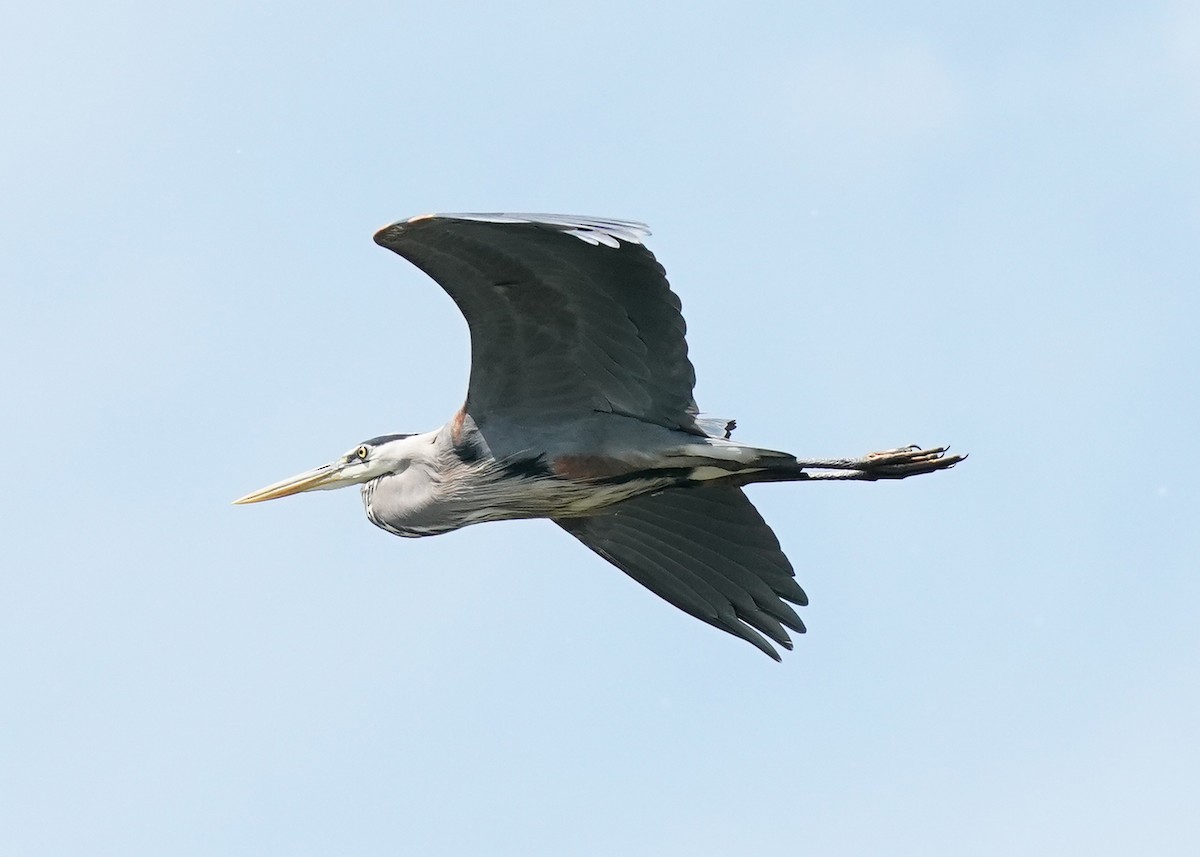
888,223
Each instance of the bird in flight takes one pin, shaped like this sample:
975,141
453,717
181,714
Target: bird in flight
580,409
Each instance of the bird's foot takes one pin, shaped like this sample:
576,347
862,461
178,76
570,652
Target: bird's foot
905,461
888,464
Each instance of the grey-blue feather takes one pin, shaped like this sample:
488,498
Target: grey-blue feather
568,316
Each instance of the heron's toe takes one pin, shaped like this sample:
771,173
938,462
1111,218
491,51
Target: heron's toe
909,461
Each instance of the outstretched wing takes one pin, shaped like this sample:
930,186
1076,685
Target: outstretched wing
568,315
706,550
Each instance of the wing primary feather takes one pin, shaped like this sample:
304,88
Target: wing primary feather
669,585
707,551
732,583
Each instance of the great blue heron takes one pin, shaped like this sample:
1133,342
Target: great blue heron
580,410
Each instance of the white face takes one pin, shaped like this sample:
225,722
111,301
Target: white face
367,461
377,457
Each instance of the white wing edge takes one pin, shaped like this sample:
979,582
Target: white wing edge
592,230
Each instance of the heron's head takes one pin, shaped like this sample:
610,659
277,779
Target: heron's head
371,459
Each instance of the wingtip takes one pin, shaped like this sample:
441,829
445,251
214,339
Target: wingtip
759,642
383,235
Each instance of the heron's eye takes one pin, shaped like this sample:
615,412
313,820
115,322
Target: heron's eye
361,452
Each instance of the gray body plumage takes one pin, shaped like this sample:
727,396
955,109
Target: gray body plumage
448,483
580,409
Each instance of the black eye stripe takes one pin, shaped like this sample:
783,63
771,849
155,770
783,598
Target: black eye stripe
370,445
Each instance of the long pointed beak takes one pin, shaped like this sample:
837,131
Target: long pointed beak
325,476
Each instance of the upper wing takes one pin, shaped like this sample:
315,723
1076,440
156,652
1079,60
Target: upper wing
568,315
707,551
